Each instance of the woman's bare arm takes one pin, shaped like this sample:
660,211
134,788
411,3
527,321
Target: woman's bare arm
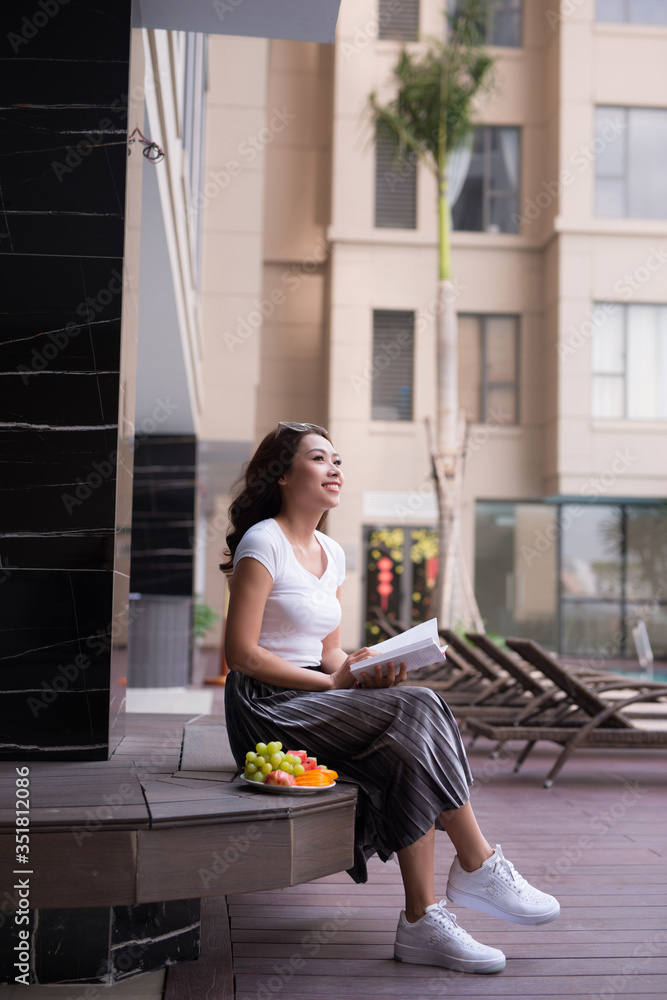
333,656
251,586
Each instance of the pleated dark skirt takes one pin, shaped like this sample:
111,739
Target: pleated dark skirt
401,746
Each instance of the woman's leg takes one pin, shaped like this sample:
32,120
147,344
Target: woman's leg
462,829
417,871
417,860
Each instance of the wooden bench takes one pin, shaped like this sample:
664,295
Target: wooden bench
163,819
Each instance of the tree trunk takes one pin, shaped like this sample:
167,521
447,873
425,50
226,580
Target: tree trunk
447,442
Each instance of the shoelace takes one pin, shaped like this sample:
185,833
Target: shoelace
508,869
448,920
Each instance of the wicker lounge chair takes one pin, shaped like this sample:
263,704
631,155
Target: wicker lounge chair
482,689
587,721
454,673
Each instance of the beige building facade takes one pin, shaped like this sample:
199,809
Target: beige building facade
316,308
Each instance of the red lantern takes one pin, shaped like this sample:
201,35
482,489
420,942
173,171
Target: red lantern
385,576
431,571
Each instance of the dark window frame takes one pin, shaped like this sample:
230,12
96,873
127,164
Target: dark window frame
409,318
626,603
488,194
487,384
406,171
624,376
495,7
389,30
626,110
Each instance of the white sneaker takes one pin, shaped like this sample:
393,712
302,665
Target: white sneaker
497,888
436,939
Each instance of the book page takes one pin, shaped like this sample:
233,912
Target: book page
426,630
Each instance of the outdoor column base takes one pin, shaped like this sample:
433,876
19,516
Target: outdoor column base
98,945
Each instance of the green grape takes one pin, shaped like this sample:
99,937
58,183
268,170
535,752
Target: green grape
260,748
276,759
266,768
260,759
287,768
291,759
251,756
298,769
274,747
258,776
251,768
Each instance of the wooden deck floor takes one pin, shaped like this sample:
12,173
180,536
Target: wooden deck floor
597,840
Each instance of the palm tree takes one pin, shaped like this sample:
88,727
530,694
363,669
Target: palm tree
431,116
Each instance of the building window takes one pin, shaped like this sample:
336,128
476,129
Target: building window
629,361
489,198
502,22
575,577
516,569
401,571
393,358
489,368
629,167
631,11
395,184
398,20
613,558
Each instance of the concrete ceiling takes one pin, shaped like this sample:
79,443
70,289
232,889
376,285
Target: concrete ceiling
298,20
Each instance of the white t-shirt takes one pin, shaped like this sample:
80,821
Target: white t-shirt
300,610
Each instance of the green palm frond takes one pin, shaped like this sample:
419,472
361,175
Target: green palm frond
433,110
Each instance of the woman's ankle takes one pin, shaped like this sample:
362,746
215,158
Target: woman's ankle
473,862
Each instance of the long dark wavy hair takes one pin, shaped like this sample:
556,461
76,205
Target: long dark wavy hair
256,491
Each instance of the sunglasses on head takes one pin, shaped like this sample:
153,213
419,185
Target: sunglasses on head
295,426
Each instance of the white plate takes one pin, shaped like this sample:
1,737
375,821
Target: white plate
286,789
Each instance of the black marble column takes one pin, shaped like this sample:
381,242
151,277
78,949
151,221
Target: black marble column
162,563
64,523
100,944
163,515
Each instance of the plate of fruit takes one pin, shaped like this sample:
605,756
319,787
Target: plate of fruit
270,769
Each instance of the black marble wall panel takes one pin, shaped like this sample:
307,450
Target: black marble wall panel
163,516
102,945
63,165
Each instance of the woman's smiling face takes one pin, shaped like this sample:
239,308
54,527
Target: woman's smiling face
315,478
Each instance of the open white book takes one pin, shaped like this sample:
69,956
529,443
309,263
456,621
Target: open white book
418,647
